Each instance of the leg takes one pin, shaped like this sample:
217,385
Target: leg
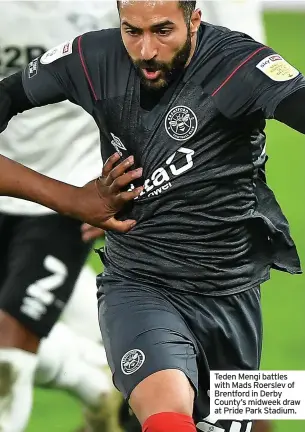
229,336
175,388
77,337
17,367
14,334
127,419
77,367
18,346
36,286
151,354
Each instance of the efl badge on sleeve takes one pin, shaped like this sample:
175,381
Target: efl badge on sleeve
57,52
277,69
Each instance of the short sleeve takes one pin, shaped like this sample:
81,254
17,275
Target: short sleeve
251,78
58,75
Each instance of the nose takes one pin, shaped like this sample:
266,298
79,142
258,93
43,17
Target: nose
148,49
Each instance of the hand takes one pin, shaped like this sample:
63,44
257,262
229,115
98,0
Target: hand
100,200
90,232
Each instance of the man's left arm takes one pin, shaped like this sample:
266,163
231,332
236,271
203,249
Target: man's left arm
291,110
257,80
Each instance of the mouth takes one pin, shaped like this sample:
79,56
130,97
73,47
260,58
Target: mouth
151,74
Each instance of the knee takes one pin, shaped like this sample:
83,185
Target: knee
13,334
164,391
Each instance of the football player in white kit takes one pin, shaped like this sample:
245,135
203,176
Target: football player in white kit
42,253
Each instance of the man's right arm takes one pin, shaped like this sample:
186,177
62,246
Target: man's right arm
96,203
56,76
17,180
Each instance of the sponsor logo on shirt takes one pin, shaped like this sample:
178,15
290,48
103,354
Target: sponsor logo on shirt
161,179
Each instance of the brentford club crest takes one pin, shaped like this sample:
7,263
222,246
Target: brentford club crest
132,361
181,123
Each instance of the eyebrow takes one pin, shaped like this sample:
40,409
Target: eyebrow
154,27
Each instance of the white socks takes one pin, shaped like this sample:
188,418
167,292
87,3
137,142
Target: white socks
67,361
17,370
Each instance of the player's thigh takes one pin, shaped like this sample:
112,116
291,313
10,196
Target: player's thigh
229,335
143,334
45,257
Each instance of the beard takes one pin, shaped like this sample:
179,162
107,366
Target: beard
169,71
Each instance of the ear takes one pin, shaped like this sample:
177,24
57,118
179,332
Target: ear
195,21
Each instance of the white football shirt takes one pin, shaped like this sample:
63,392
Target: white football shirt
61,140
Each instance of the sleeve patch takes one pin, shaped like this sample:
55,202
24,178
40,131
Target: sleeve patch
277,69
57,52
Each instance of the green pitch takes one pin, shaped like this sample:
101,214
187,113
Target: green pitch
284,295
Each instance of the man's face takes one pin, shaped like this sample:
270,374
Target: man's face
157,38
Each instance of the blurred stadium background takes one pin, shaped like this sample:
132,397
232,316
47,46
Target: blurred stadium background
284,295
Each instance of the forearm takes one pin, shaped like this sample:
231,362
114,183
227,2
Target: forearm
96,203
18,181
